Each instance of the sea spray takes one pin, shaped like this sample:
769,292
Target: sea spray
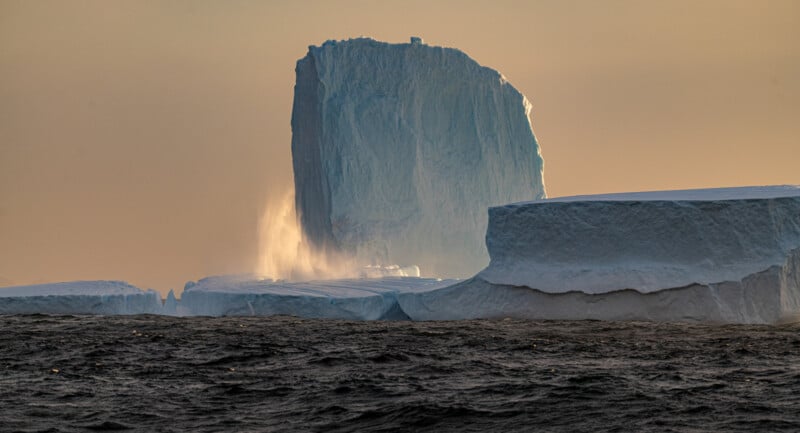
285,254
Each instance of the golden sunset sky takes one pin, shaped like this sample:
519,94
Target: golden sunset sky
141,140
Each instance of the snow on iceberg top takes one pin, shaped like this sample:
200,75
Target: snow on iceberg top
707,194
72,288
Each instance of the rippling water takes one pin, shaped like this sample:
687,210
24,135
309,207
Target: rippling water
149,373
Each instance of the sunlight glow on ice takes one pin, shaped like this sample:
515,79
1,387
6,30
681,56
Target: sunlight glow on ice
284,254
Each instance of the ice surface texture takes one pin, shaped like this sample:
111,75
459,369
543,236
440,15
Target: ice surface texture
399,149
643,242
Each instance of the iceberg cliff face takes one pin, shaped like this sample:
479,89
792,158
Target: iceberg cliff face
399,149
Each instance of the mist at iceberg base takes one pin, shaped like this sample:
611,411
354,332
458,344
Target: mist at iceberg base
286,254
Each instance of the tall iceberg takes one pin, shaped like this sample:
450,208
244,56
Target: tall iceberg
399,149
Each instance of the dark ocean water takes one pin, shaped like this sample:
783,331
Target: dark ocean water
148,373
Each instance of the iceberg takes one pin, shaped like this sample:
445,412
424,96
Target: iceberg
399,149
716,255
352,299
79,297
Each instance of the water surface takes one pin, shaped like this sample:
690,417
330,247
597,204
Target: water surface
155,373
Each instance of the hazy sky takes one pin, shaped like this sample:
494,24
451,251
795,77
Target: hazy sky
140,140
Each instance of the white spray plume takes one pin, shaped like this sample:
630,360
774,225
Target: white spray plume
284,253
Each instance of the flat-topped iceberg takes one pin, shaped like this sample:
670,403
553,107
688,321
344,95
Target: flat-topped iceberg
79,297
355,299
399,149
725,255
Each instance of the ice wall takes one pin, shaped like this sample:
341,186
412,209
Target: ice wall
399,149
727,255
